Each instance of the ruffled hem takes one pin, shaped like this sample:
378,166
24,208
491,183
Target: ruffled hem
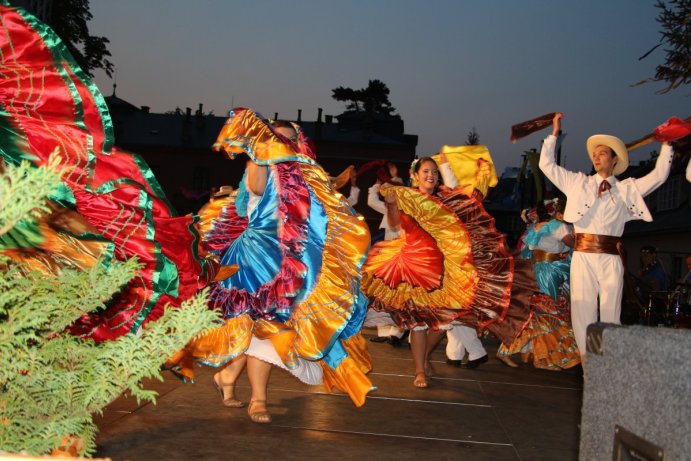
477,270
304,370
311,304
216,347
548,337
349,376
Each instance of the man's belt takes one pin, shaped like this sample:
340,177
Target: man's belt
594,243
540,256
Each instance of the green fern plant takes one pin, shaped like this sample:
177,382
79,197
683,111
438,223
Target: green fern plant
51,383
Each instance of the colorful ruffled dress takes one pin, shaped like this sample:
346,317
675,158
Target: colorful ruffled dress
110,205
450,263
548,336
295,300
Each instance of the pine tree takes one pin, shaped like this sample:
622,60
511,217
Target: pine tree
51,383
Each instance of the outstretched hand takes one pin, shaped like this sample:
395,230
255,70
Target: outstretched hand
352,174
556,123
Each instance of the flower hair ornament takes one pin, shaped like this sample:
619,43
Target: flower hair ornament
411,173
529,215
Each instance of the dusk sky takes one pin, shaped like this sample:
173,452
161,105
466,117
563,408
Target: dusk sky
450,65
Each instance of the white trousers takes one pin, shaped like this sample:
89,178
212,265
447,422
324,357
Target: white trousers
593,275
459,338
389,330
385,325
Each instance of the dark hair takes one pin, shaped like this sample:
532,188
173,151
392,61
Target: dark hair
282,124
419,163
542,213
559,205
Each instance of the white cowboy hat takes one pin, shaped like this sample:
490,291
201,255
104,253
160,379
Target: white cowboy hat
223,191
614,143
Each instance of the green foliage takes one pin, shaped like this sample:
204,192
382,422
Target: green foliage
473,138
51,383
70,20
19,187
676,34
372,100
675,19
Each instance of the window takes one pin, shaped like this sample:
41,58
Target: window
669,194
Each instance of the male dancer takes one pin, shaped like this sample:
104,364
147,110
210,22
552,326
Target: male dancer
599,206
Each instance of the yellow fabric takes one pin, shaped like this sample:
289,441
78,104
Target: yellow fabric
281,337
216,347
60,248
211,211
464,164
550,340
320,317
263,144
207,215
343,178
318,320
453,240
350,376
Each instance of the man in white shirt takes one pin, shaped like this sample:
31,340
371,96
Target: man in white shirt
387,330
599,206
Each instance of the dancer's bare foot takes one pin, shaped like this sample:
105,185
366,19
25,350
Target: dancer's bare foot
420,379
507,360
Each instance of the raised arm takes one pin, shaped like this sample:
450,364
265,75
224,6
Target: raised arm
446,172
393,216
655,178
354,189
560,177
373,199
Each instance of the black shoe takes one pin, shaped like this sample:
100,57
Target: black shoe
454,363
395,341
380,339
470,364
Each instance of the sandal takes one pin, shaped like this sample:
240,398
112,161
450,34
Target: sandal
230,401
261,416
420,380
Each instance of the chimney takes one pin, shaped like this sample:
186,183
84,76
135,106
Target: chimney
275,115
145,109
299,115
318,125
188,112
328,119
200,117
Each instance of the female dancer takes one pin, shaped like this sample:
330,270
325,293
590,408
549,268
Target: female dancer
449,264
548,337
295,301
